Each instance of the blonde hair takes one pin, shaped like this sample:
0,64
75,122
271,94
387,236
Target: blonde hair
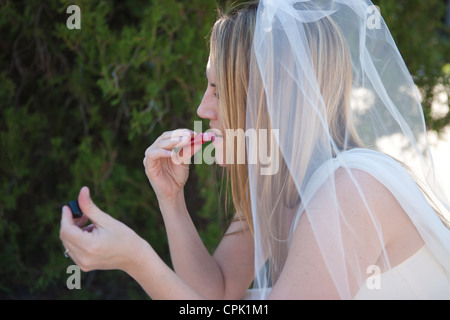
230,47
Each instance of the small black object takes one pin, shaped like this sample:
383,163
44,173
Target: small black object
76,211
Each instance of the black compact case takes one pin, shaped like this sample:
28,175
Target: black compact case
76,211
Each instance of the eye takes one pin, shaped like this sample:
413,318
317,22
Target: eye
215,93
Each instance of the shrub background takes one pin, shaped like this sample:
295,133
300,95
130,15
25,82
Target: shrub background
80,107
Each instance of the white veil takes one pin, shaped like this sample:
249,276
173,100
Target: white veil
327,79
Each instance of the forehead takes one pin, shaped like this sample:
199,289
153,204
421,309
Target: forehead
209,71
208,64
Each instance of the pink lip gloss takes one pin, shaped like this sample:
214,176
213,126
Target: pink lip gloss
208,136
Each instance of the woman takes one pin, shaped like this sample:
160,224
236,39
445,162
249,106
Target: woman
333,217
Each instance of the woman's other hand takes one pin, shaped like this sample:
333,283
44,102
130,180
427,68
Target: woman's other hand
105,244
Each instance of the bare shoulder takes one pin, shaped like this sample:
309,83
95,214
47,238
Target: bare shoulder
366,206
365,200
365,203
357,187
348,178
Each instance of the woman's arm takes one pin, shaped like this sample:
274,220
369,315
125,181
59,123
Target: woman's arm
160,282
227,274
108,244
157,279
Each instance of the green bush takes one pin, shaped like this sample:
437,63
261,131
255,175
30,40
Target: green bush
80,107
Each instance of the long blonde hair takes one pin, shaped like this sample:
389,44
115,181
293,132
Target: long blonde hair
231,41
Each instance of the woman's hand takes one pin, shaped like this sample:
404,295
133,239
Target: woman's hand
105,244
166,162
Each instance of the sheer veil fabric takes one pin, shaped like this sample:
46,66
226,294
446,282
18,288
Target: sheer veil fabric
327,80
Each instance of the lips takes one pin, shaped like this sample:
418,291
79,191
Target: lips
217,133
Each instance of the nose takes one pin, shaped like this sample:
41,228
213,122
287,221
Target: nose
207,108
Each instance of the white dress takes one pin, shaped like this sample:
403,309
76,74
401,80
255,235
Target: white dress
420,277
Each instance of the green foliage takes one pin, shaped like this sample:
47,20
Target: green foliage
419,30
80,107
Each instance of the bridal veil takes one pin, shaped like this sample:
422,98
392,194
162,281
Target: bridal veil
329,84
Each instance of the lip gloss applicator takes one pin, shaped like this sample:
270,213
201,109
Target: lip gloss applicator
207,136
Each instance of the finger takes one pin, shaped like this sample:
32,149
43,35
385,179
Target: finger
81,221
68,249
66,217
69,231
168,135
183,155
72,237
178,133
176,139
89,208
89,228
72,251
164,148
189,150
155,154
169,144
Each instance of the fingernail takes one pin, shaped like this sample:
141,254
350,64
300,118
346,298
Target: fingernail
207,136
